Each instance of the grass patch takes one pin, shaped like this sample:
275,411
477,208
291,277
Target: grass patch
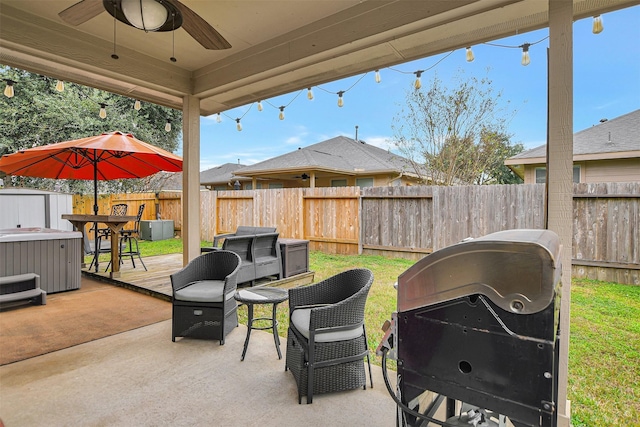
149,248
604,351
604,354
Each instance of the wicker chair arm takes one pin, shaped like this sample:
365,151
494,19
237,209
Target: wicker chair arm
189,274
217,238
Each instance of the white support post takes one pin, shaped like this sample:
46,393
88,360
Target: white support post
560,171
190,178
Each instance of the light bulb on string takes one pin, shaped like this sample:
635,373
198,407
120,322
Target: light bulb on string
526,59
238,125
8,90
377,76
167,126
60,86
103,111
340,100
259,105
470,56
597,24
281,115
137,105
309,94
417,84
218,118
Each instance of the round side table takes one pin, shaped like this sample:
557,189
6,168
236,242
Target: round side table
262,295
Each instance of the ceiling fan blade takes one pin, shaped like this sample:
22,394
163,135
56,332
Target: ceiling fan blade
200,29
81,12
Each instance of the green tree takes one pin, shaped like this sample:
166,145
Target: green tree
39,115
456,135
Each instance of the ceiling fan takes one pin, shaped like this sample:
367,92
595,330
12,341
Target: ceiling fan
303,177
149,15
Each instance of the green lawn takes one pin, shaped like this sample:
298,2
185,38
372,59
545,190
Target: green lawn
604,352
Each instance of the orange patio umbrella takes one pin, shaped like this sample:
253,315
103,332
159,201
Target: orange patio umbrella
108,156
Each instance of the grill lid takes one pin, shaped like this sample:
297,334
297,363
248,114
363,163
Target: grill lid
517,269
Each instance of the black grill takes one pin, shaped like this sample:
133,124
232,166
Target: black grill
477,322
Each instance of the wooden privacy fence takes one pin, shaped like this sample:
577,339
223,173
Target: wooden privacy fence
413,221
163,205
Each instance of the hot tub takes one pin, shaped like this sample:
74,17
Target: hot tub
50,253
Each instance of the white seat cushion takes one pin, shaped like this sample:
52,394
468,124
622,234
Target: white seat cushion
203,291
301,317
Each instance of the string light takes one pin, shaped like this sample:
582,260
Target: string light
103,111
470,56
137,105
526,60
597,27
8,90
597,24
60,86
417,84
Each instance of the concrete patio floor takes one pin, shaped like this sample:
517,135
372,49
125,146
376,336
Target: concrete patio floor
142,378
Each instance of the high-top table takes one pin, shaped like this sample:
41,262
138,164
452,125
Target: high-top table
115,224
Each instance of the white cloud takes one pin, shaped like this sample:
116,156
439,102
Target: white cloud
383,142
293,140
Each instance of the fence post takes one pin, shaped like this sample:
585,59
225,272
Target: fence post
360,227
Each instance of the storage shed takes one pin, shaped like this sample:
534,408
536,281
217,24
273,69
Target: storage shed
25,207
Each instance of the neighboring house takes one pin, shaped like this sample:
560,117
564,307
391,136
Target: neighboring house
217,178
164,181
221,177
607,152
337,162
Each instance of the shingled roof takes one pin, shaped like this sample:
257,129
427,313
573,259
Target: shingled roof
221,175
339,155
612,139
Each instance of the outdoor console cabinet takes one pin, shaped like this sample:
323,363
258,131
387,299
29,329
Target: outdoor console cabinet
159,229
295,256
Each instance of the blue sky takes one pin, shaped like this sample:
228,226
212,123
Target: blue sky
606,85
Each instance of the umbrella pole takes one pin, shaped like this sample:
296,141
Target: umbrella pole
96,252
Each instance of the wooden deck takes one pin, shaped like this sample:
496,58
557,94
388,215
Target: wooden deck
156,281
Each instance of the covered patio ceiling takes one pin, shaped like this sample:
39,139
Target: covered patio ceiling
277,46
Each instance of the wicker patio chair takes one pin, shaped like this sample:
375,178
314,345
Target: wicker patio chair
326,340
203,302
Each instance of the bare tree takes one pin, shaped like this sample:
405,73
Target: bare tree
456,135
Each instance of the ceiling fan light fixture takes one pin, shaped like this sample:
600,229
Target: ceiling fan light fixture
148,15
